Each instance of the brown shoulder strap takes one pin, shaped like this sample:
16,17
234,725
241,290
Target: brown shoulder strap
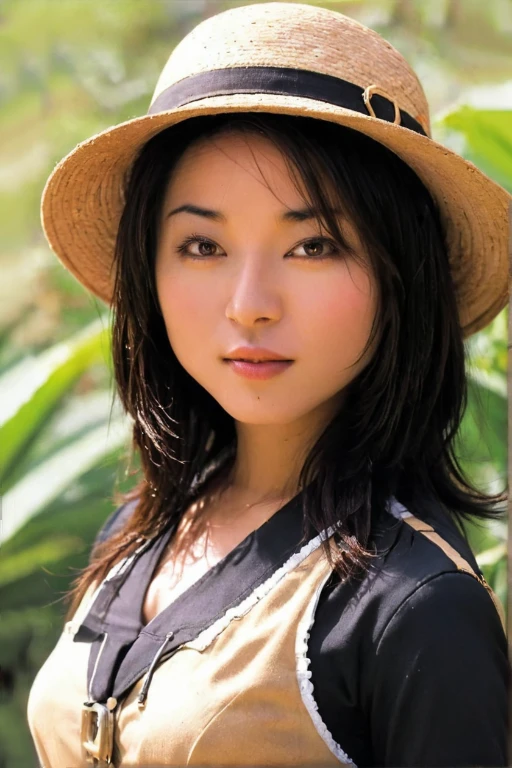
462,565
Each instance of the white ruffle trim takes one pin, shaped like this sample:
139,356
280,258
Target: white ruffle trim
304,677
208,635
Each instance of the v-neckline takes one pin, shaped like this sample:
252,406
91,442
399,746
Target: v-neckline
118,604
161,543
123,649
154,555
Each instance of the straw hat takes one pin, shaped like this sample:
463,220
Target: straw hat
294,59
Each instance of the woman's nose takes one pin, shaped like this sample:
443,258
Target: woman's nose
254,294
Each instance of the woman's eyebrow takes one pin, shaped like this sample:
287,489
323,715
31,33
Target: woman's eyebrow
289,215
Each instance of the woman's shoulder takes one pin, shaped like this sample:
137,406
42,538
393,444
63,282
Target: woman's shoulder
415,546
422,565
415,641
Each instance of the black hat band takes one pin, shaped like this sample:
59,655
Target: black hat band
282,81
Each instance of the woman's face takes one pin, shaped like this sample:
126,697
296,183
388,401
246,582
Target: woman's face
257,279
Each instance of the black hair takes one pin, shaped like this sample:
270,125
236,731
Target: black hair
395,434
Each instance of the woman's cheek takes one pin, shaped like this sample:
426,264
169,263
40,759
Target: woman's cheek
179,293
189,320
342,313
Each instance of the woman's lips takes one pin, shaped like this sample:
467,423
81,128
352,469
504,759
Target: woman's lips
263,370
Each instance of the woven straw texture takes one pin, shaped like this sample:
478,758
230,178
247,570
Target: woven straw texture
84,196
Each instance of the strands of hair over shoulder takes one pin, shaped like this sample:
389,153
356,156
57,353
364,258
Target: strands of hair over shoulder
395,434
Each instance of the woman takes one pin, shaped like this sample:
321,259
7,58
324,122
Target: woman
293,265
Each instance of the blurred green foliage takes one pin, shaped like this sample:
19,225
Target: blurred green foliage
69,69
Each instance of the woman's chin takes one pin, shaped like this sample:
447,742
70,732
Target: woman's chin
261,410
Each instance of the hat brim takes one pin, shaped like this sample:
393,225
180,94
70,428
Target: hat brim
83,198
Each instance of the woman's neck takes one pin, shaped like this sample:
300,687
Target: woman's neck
267,462
269,457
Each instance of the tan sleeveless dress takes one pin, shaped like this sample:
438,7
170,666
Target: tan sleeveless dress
238,694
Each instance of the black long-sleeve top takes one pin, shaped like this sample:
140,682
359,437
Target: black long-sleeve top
410,665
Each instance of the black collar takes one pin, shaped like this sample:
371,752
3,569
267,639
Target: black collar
114,623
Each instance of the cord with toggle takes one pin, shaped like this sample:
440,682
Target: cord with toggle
144,692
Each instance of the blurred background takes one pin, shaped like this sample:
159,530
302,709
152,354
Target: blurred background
69,69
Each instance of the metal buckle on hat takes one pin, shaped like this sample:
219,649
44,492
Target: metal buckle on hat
370,91
97,733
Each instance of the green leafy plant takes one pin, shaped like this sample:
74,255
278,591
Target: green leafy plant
62,448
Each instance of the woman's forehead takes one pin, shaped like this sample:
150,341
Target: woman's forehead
223,161
235,169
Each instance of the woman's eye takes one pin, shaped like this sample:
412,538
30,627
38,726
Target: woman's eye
205,247
319,248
